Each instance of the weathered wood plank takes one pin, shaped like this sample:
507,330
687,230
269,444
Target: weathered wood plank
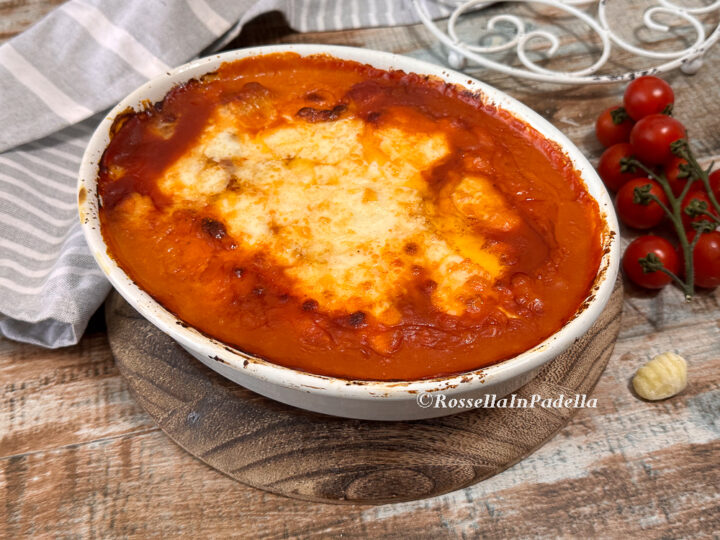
635,466
630,468
18,15
51,399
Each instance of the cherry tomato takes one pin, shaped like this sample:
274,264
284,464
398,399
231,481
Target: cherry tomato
613,126
638,215
715,184
699,196
639,249
651,138
672,169
647,95
609,167
706,259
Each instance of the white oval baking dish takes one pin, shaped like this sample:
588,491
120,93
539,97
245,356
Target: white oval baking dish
373,400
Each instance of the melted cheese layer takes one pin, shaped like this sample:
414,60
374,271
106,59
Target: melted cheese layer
343,208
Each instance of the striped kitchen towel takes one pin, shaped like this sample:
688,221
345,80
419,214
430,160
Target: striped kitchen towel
55,80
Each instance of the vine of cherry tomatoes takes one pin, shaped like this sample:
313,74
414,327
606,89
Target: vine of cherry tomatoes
650,165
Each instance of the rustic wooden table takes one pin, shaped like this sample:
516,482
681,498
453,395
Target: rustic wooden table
78,456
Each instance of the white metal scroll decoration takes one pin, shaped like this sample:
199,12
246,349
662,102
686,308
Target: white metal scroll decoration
688,59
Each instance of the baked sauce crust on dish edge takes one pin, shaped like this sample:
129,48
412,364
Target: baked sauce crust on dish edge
348,221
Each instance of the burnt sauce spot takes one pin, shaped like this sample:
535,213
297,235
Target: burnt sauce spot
315,97
214,229
411,248
313,115
218,359
249,91
356,319
255,88
309,305
429,286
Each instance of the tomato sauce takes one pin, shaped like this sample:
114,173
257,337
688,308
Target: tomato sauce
190,262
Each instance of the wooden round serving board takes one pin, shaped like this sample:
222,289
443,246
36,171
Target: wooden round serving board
299,454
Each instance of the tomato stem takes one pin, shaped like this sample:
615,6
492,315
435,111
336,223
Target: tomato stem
709,215
681,148
674,212
652,263
677,280
659,203
619,115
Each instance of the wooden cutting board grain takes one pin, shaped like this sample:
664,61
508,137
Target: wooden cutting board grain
310,456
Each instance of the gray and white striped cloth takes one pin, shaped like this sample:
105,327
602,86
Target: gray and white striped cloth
55,79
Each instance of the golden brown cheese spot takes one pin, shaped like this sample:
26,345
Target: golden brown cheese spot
335,204
137,206
476,198
194,176
163,127
326,143
414,149
251,107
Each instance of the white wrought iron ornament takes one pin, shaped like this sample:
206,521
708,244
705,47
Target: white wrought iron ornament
688,60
